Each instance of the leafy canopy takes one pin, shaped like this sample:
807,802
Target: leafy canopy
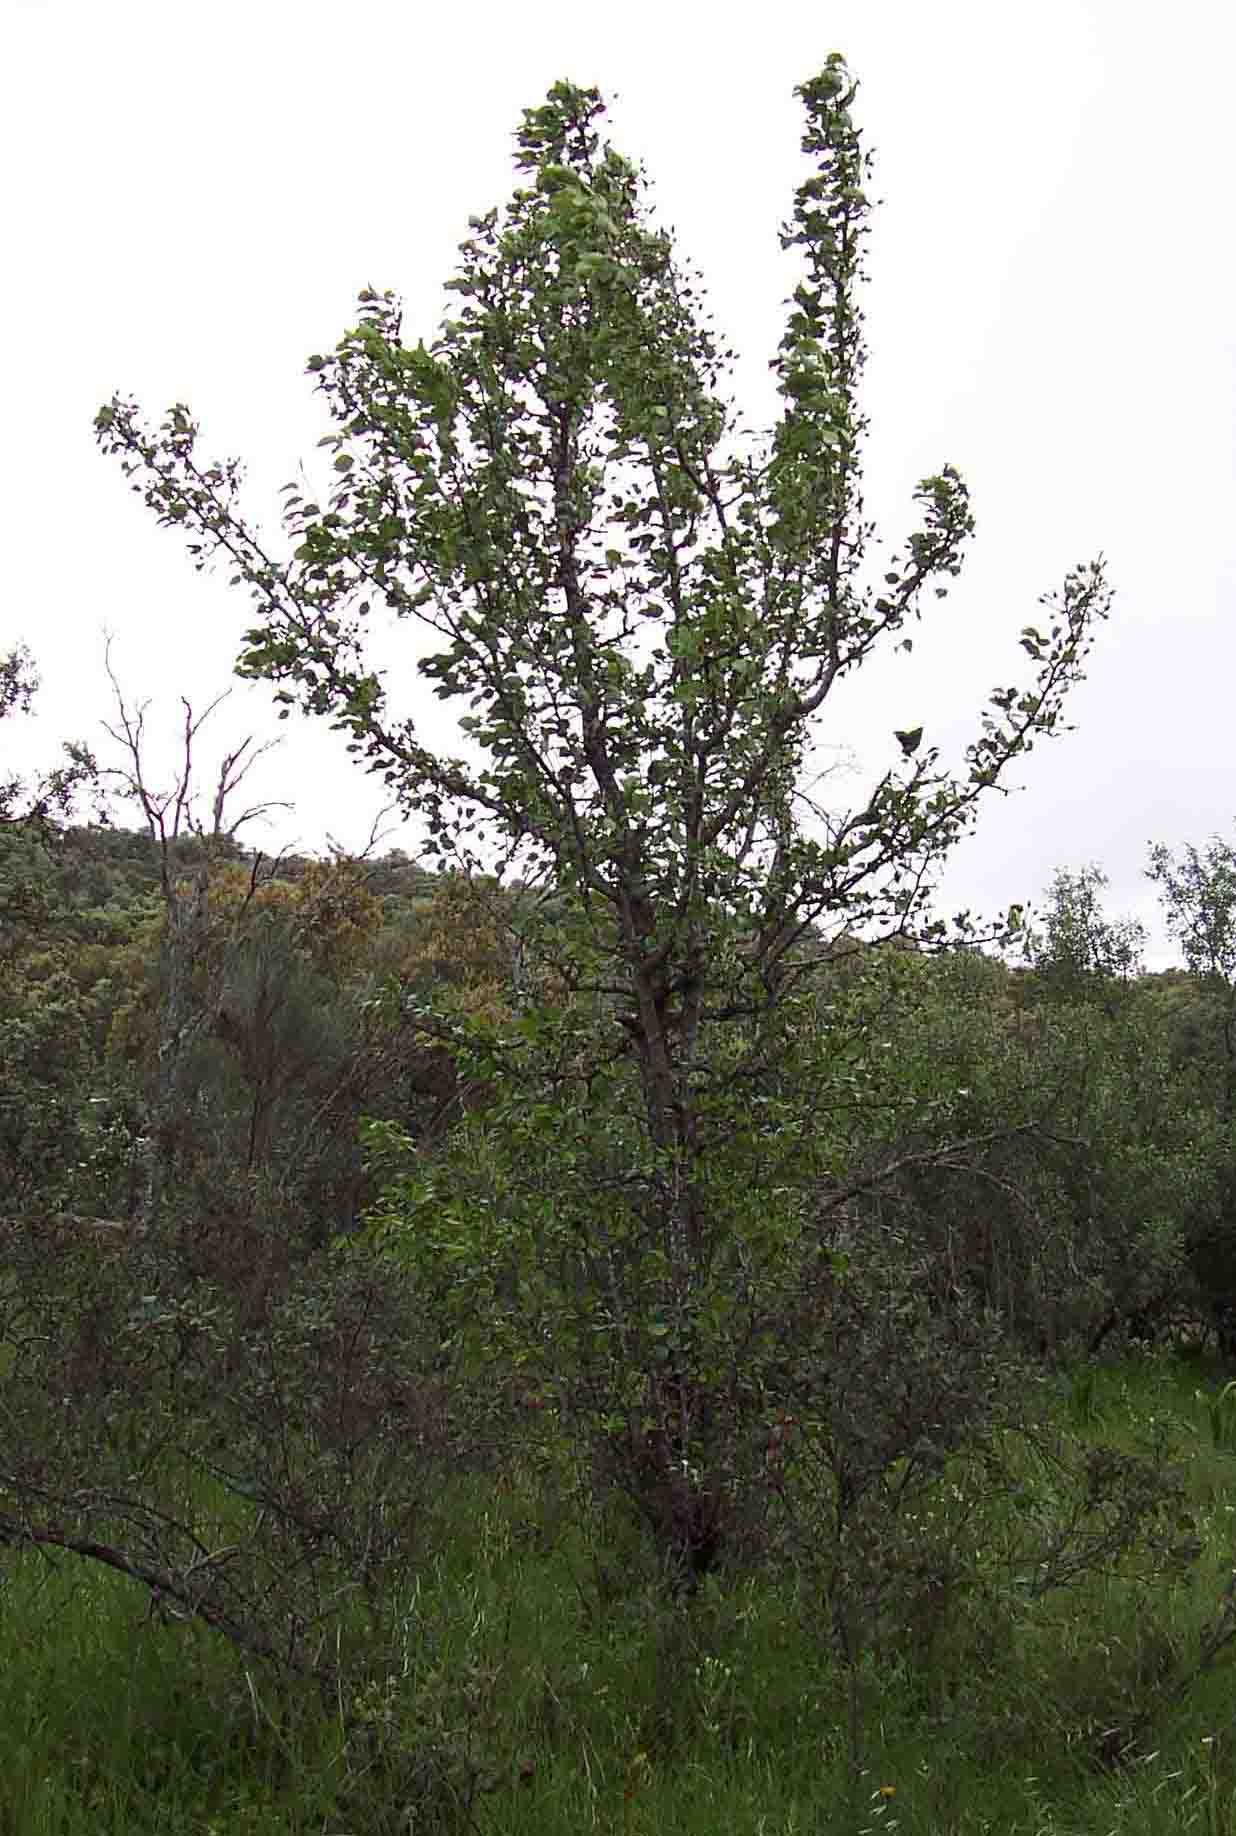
645,612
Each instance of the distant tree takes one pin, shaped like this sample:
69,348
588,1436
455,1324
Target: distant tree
174,817
31,812
34,804
1198,892
647,614
18,681
1078,950
18,684
48,1014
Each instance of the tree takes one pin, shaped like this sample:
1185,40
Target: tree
1197,889
30,812
1080,951
648,614
32,805
1198,892
173,818
45,1011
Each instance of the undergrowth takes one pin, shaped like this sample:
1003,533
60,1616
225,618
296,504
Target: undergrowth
544,1680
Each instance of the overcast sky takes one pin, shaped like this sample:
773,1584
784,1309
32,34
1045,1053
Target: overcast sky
196,194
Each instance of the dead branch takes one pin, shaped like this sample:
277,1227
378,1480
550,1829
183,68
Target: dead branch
165,1585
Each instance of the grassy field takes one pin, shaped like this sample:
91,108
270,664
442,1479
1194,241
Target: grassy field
546,1685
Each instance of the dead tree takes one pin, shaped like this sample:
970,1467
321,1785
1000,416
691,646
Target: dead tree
173,820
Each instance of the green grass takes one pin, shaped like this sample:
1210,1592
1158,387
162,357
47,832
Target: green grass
544,1684
112,1721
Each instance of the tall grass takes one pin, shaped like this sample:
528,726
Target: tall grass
545,1684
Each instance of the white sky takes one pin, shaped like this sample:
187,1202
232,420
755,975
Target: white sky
195,195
